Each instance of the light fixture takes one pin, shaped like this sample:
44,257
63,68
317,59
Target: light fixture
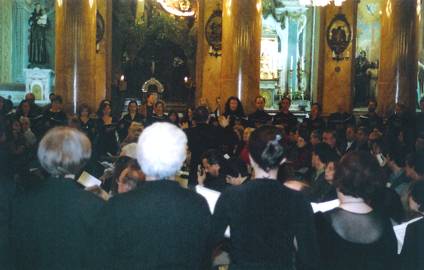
182,8
320,3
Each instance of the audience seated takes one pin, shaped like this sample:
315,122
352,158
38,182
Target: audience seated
169,220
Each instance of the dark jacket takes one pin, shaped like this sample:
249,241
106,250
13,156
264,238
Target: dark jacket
7,191
51,224
412,251
157,226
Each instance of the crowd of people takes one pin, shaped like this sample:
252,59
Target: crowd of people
268,169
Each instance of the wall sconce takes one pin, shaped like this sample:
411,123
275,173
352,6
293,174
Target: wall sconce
213,33
339,37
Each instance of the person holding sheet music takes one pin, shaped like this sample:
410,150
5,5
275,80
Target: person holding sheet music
264,216
106,141
55,116
354,236
412,251
52,218
159,225
132,116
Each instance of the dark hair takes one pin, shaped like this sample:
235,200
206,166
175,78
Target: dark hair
213,156
325,153
177,121
234,166
160,102
239,112
132,101
286,172
19,108
57,99
358,174
265,147
83,107
120,165
260,97
416,191
316,133
201,114
416,161
102,106
373,101
318,105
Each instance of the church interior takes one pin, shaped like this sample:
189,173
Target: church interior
212,134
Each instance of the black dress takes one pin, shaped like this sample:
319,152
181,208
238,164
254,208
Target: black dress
125,123
288,120
89,128
265,217
51,224
351,241
413,247
106,138
157,226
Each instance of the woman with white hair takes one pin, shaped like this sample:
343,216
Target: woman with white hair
159,225
52,219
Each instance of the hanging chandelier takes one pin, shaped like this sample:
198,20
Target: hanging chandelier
182,8
321,3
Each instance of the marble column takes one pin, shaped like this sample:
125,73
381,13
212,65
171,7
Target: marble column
5,41
398,60
335,82
241,41
208,67
76,53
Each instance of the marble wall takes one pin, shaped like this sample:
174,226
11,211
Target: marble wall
337,76
5,41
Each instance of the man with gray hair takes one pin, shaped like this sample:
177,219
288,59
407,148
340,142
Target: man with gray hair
52,219
160,225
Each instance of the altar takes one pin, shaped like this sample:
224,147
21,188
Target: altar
39,82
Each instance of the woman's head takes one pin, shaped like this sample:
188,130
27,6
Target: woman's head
234,106
358,174
83,110
265,147
105,108
64,150
126,175
174,117
132,106
24,107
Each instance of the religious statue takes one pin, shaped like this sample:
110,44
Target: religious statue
362,79
37,42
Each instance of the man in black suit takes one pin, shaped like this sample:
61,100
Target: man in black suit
200,138
260,117
159,225
53,218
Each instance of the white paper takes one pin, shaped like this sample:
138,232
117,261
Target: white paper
211,197
325,206
400,231
88,181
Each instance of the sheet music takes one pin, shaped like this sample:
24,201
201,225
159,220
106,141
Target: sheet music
400,231
325,206
88,181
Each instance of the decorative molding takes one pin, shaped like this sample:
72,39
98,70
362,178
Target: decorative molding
6,41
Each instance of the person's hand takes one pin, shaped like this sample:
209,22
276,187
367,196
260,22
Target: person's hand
235,181
201,175
224,121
